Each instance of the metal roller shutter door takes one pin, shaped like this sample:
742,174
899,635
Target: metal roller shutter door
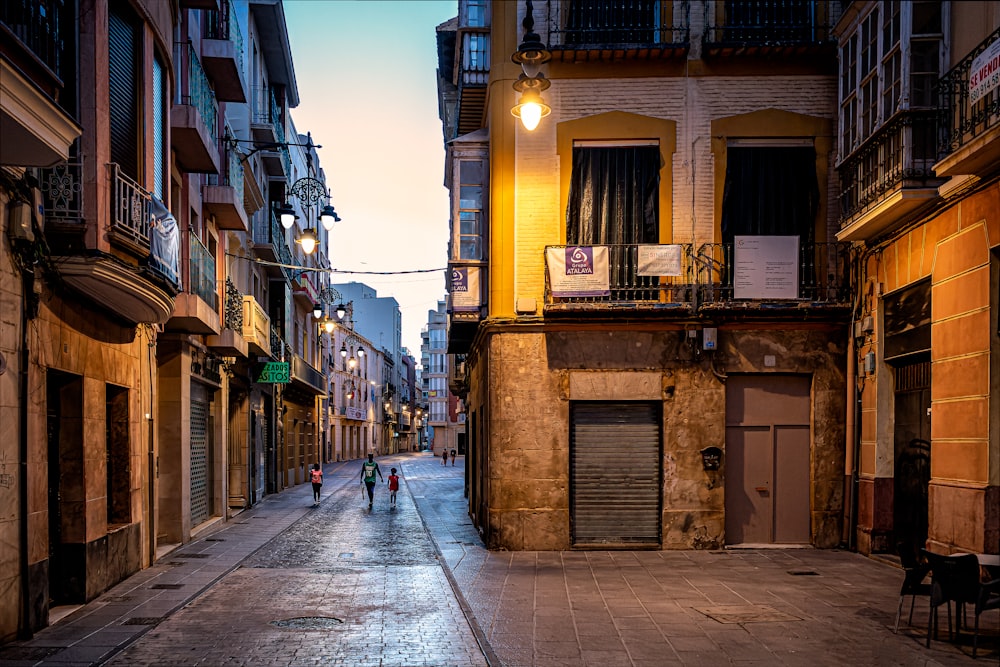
199,462
615,473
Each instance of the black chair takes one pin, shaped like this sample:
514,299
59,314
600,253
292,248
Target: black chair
989,598
958,579
914,573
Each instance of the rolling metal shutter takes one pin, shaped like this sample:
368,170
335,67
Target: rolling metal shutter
199,462
123,98
615,473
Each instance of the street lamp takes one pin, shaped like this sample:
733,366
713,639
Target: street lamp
531,54
309,191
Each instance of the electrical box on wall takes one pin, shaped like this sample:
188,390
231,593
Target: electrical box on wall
709,337
868,324
869,364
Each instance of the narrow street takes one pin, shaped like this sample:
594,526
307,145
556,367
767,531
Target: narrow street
344,585
286,583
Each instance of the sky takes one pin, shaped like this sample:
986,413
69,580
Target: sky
366,75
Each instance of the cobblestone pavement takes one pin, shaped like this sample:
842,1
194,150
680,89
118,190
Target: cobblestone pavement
344,586
285,583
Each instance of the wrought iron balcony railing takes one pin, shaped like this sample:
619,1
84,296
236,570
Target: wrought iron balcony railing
36,25
233,316
264,110
199,93
201,272
627,286
129,208
224,25
62,191
823,275
899,154
620,23
268,231
746,23
706,279
279,349
232,175
966,117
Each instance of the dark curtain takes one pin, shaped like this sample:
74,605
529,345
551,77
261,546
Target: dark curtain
614,196
770,191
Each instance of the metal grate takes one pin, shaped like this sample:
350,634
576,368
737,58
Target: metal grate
199,462
142,620
166,587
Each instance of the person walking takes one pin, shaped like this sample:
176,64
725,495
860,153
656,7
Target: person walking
453,455
316,477
444,456
368,471
393,486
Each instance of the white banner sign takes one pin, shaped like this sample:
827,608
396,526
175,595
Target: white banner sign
465,288
659,260
578,271
766,267
984,75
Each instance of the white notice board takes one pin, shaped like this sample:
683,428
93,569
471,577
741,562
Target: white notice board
766,267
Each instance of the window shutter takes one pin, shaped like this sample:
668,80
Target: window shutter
123,102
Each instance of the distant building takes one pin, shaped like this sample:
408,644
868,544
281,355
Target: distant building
442,416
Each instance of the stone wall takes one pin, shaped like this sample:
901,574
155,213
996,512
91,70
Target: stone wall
533,376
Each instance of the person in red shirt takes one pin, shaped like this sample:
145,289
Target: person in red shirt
316,477
393,486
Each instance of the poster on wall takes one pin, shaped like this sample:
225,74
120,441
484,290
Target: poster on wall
465,288
766,267
659,260
984,74
578,271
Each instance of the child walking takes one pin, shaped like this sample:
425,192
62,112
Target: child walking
316,477
393,486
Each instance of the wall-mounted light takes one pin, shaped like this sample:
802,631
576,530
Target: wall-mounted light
531,54
317,310
328,217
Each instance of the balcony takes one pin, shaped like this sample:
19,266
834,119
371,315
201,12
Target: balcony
306,377
138,282
970,138
889,175
222,53
229,342
36,130
601,30
303,290
770,27
223,195
256,327
196,310
62,198
269,243
823,279
473,74
279,349
265,117
704,284
193,122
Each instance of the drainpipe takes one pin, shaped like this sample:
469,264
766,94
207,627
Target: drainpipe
151,456
852,450
27,287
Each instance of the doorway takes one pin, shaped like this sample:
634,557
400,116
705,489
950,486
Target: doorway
66,493
767,459
912,451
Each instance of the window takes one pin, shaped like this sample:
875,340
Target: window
892,60
925,53
476,13
614,195
124,40
770,191
470,209
159,129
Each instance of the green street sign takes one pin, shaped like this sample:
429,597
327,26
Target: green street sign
277,372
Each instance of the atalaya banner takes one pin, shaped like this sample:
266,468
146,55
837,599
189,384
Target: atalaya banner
578,271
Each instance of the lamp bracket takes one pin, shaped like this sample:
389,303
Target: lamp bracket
309,190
